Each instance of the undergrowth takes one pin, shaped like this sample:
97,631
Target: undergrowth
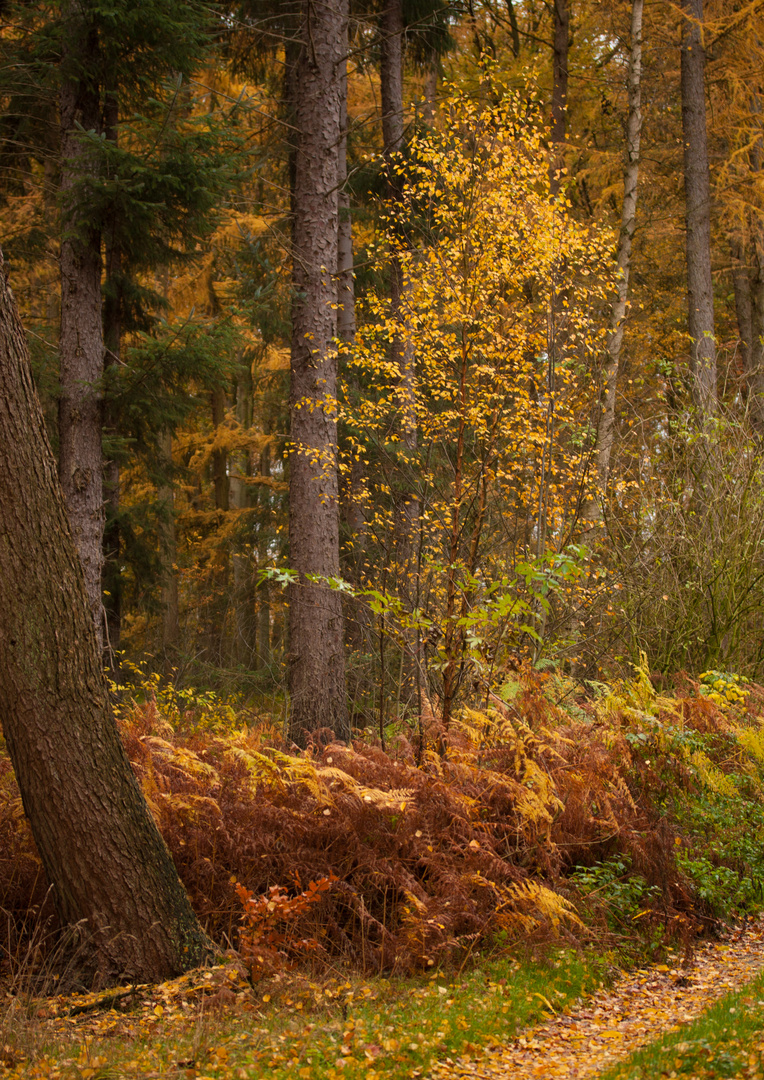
543,814
291,1027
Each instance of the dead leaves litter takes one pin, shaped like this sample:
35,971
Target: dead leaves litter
642,1006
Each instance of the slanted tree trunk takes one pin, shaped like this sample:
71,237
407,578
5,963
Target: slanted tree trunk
697,188
103,854
316,647
81,342
606,420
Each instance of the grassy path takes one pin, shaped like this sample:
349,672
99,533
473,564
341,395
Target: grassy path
681,1015
505,1020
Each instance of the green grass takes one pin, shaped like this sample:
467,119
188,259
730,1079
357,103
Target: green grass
378,1028
725,1041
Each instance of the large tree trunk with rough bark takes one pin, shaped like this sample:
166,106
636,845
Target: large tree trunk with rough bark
112,340
697,188
111,872
316,646
606,420
81,342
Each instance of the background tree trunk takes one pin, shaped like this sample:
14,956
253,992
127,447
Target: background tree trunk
697,188
316,647
81,342
100,847
606,420
560,35
408,509
242,497
170,626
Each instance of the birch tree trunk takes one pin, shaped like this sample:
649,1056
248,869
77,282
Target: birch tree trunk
111,872
606,421
316,646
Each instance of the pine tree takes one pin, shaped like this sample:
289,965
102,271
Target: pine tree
112,875
316,646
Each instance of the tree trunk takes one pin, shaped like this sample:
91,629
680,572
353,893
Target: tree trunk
111,871
316,647
112,340
264,654
561,32
401,353
81,341
170,631
391,76
606,422
345,279
697,187
741,282
241,497
754,372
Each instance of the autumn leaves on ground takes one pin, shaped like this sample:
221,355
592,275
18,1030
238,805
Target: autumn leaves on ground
488,873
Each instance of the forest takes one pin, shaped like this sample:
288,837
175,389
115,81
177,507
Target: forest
381,495
534,428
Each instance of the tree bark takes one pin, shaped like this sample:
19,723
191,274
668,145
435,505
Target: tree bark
81,342
754,371
241,497
316,647
697,187
561,32
345,278
402,354
264,654
606,422
112,340
111,872
741,282
170,627
391,76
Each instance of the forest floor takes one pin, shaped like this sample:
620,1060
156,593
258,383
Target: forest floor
699,1016
666,1009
